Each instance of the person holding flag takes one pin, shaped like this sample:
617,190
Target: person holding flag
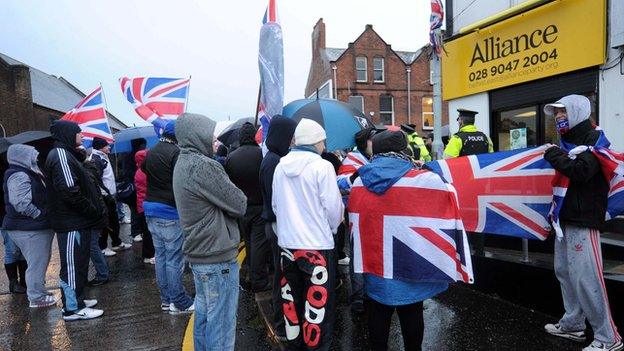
577,220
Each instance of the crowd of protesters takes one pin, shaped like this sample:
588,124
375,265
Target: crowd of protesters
192,201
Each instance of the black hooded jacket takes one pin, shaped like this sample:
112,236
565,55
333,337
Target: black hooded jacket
585,202
75,202
243,165
281,131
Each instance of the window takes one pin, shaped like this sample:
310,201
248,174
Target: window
325,91
517,128
378,70
360,67
427,113
386,110
357,101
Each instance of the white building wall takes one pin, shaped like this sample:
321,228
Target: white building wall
465,13
477,102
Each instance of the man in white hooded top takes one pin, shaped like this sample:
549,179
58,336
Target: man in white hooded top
308,208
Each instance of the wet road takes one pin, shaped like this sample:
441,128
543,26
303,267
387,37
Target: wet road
459,319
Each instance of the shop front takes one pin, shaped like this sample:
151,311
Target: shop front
509,69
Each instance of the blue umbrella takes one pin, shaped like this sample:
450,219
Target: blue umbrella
124,138
341,121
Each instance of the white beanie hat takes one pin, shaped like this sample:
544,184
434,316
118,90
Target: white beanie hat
309,132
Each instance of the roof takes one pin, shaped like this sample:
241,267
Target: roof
333,54
55,93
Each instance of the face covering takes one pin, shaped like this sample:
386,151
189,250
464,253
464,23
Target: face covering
563,125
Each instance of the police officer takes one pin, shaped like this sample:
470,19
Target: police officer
468,141
416,143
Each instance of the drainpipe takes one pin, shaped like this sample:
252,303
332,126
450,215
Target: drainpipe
335,68
408,70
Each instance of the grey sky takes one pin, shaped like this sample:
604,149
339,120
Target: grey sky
216,42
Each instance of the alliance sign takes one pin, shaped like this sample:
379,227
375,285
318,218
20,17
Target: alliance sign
560,36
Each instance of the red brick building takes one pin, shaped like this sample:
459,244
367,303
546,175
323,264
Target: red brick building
392,85
30,98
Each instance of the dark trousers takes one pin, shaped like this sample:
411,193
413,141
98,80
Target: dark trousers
112,229
74,251
308,298
147,250
380,318
278,314
259,251
135,222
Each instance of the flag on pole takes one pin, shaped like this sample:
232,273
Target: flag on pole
435,22
90,115
271,64
156,100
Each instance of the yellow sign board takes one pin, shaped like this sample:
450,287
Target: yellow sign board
560,36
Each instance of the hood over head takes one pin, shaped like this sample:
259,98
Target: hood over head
222,151
247,134
279,137
139,157
578,108
99,143
195,132
23,156
170,129
65,132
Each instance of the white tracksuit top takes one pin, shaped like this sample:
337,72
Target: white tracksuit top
306,201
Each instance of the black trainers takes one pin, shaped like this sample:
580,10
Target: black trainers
97,282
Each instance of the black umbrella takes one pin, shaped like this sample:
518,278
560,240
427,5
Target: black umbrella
229,135
32,137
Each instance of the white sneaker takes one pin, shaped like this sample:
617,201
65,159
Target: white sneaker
44,302
137,238
598,346
344,261
555,329
85,313
164,306
150,260
122,246
125,220
90,303
108,252
175,310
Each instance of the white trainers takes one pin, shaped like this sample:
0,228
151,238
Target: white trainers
598,346
137,238
164,306
108,252
344,261
90,303
175,310
44,302
125,220
555,329
122,246
85,313
149,260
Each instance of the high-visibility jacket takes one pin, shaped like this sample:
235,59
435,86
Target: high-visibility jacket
470,136
415,141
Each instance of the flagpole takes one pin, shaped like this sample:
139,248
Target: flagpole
258,104
188,92
105,108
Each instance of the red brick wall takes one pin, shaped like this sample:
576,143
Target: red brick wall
16,109
369,44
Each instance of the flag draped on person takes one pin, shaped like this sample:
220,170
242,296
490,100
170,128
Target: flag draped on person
395,237
271,64
435,22
90,114
156,100
518,193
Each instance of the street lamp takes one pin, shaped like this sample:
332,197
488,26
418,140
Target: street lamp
408,70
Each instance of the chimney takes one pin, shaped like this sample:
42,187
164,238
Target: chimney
368,26
318,38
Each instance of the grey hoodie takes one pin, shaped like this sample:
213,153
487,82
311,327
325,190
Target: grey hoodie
207,201
18,184
578,108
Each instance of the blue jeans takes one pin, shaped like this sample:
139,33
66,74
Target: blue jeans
120,210
216,302
97,257
167,237
12,253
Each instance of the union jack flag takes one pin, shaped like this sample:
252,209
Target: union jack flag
90,115
507,193
435,22
352,163
156,100
396,237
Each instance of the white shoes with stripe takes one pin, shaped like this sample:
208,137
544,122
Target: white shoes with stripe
598,346
85,313
556,330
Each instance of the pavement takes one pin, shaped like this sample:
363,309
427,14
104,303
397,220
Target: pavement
459,319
